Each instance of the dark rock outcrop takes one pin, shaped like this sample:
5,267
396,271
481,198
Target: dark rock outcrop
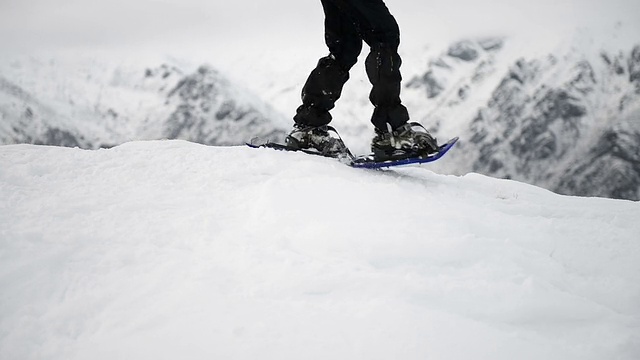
209,112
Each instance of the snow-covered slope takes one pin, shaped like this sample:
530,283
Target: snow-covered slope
169,249
91,102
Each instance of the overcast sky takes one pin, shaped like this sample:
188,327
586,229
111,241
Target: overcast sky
215,26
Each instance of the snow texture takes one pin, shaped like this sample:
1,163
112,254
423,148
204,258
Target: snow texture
170,249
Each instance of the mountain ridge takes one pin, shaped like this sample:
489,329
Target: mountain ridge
97,104
546,120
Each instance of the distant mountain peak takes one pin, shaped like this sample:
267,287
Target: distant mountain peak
90,104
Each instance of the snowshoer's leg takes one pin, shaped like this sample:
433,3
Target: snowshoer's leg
324,85
379,29
395,137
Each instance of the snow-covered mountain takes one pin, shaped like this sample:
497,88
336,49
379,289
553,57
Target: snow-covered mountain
91,103
174,250
567,121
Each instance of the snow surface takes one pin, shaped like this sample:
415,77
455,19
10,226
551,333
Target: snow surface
169,249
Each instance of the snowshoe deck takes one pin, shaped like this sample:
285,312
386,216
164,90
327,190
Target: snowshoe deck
369,162
365,161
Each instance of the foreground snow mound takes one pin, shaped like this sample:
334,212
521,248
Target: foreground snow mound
168,249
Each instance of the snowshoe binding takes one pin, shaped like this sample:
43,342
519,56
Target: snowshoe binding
317,139
410,140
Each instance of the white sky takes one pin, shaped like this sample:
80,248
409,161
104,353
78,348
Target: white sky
214,30
72,23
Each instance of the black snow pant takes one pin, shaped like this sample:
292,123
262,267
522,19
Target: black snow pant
347,24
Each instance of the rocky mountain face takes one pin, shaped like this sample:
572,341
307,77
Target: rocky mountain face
93,105
24,119
569,122
209,110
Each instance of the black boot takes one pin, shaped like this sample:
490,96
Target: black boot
318,138
403,142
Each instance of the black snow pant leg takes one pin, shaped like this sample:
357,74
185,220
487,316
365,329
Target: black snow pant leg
347,24
380,31
324,85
